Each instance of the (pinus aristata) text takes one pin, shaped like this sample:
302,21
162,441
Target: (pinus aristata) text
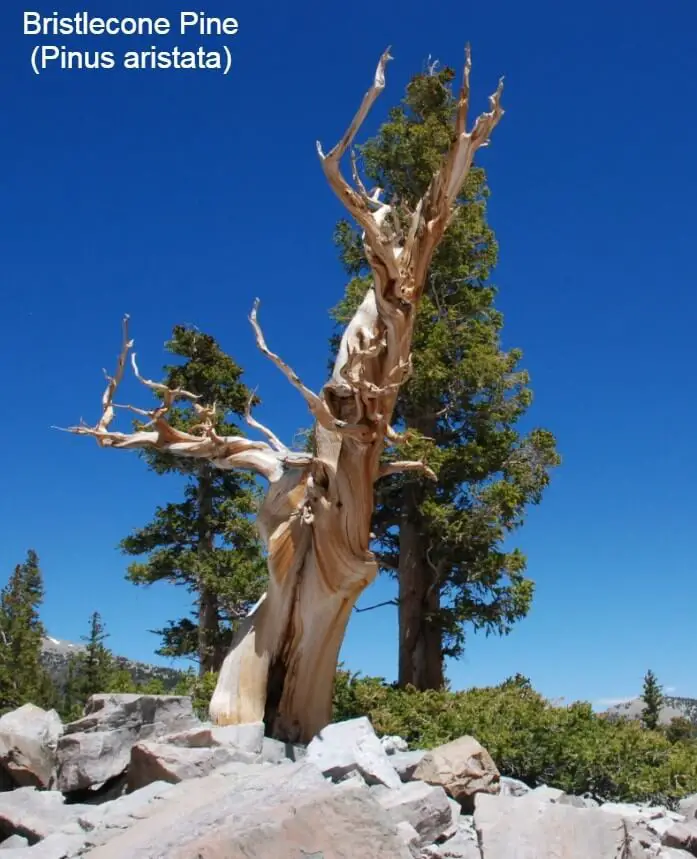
153,58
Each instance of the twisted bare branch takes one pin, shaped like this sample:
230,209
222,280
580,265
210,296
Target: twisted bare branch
316,404
275,442
357,201
405,466
223,452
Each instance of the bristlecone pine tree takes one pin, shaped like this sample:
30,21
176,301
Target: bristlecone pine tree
317,513
443,541
23,680
653,701
207,542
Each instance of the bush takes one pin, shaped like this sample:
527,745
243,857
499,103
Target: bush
530,739
566,747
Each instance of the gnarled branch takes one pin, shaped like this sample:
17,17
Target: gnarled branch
403,466
316,404
357,202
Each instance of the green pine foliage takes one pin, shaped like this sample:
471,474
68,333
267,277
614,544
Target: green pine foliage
206,542
653,700
22,677
464,403
570,748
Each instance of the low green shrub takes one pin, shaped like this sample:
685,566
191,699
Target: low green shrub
571,748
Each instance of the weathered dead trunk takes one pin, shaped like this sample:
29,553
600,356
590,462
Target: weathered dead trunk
315,519
420,640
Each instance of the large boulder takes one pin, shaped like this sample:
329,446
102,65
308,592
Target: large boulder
153,761
350,746
422,805
463,768
97,747
682,836
28,741
283,811
35,814
530,828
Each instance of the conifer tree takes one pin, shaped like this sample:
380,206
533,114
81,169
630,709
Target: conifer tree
22,677
653,701
206,542
444,541
96,667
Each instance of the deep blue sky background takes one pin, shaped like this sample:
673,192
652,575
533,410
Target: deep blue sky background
180,196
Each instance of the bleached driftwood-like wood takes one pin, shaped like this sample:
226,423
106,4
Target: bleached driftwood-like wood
316,515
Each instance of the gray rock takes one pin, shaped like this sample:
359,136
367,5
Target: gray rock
14,841
459,847
343,747
456,814
151,762
35,814
406,762
660,826
688,806
513,787
529,828
59,845
279,811
547,794
424,806
276,752
409,836
97,747
391,745
247,738
682,836
578,801
28,740
669,853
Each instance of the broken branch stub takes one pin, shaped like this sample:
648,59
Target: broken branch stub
316,515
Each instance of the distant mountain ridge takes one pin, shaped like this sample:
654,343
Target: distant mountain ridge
55,654
673,707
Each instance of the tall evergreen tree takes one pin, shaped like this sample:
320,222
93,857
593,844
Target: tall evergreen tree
22,677
207,542
653,701
96,666
445,542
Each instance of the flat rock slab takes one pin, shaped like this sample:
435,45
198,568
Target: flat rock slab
98,747
247,738
57,846
36,814
151,762
425,807
14,841
282,812
406,763
525,828
28,740
350,746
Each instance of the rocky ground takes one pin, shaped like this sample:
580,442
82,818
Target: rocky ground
141,776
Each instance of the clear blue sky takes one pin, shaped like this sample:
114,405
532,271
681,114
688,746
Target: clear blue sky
180,196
